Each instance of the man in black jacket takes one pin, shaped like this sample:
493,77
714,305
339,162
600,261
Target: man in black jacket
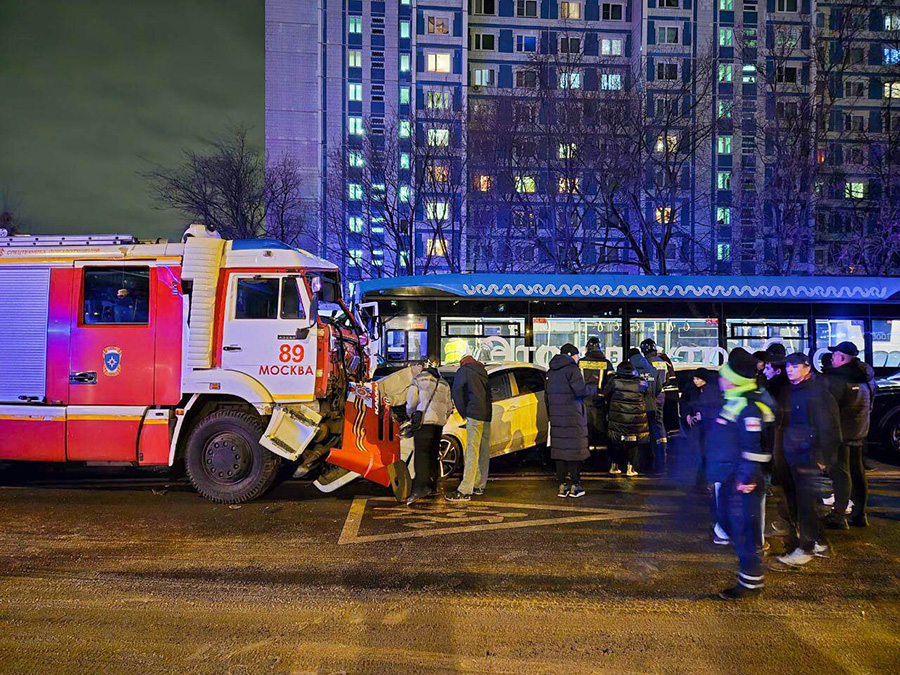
665,373
595,368
812,436
472,398
852,383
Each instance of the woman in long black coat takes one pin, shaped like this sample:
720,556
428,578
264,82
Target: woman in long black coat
565,395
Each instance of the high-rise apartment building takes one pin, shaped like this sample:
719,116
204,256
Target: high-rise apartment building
452,135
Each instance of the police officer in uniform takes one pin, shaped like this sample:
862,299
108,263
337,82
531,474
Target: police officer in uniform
595,368
735,458
665,374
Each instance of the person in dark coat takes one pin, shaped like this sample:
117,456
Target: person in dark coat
702,401
852,383
654,400
778,386
628,427
565,393
472,398
736,460
664,371
595,368
812,436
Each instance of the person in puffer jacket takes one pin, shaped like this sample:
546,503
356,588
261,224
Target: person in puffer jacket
429,394
852,383
735,458
565,393
627,425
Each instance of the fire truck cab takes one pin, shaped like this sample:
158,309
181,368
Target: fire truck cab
234,358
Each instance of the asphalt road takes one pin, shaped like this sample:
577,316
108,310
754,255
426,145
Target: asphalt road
129,574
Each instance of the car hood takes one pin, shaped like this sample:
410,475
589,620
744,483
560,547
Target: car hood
887,385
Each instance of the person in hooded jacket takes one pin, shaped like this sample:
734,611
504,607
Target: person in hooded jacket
565,394
428,394
812,436
664,372
628,428
735,458
474,402
852,383
702,401
654,401
595,368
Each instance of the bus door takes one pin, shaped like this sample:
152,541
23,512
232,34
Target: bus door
111,359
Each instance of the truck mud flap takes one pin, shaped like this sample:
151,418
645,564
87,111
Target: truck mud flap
290,431
370,442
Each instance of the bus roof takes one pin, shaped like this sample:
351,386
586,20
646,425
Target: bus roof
637,287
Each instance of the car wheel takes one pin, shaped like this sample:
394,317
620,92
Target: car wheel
225,461
449,456
892,435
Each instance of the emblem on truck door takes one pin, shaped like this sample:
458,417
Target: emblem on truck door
112,359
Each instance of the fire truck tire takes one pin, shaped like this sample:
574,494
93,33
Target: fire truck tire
225,461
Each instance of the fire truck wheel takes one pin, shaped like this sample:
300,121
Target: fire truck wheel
225,461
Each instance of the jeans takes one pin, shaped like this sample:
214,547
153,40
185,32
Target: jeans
565,468
425,460
742,515
478,456
846,474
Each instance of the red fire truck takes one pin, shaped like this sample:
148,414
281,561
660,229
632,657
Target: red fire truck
238,359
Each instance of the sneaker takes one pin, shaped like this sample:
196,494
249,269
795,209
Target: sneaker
576,491
720,536
478,492
563,490
457,496
859,521
821,550
829,500
614,469
630,471
836,522
797,558
849,509
739,592
414,497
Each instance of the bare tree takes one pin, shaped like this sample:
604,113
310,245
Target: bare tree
10,218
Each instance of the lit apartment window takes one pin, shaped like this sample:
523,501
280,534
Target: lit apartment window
356,159
726,37
748,73
354,91
723,180
404,95
483,42
612,11
723,145
483,183
569,186
355,126
569,45
403,194
892,90
438,137
526,8
405,63
437,100
726,72
664,215
356,224
666,71
438,62
436,247
611,47
787,5
854,190
405,3
667,35
725,109
438,173
355,192
354,256
404,160
483,77
723,252
570,10
438,25
437,210
404,29
892,21
526,43
567,150
610,81
354,25
723,215
354,58
525,184
484,7
667,141
891,56
726,5
570,80
405,129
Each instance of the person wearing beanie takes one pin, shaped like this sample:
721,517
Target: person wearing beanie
812,436
595,368
565,394
628,428
736,460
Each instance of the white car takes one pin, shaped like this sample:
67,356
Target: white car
519,419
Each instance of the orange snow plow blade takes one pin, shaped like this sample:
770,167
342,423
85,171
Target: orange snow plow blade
370,444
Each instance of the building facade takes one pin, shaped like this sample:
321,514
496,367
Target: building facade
756,136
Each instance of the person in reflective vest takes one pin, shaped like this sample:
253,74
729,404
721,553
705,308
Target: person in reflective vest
595,368
736,458
664,372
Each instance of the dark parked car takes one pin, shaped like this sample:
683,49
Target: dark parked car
885,429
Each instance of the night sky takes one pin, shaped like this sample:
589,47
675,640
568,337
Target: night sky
93,90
